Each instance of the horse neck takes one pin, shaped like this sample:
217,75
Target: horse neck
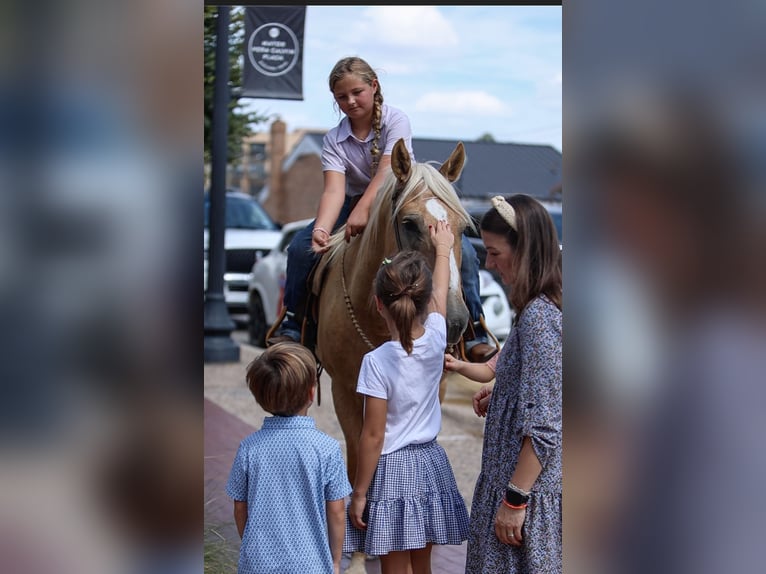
362,261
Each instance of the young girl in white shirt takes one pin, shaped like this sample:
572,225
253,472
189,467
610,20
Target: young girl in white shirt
405,498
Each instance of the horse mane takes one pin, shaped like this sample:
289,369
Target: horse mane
424,178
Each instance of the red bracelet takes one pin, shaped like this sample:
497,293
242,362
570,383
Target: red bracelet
509,505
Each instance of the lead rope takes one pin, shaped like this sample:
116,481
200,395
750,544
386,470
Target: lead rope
349,306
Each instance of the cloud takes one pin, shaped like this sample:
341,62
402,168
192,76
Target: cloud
408,26
461,102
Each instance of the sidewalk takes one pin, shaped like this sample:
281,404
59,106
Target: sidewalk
231,414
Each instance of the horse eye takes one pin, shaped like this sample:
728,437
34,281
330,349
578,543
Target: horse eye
411,226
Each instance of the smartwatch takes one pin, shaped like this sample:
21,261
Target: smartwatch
515,496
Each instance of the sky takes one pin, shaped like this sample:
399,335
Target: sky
458,72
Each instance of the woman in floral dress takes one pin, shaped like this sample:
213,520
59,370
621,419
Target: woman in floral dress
516,521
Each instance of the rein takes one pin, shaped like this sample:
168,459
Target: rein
349,306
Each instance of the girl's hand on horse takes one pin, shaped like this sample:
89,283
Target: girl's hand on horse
320,242
452,363
441,234
357,220
356,511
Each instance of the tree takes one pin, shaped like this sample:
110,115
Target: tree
240,121
486,137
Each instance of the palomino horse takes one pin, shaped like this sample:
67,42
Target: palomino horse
413,196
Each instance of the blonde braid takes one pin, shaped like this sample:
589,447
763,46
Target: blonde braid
376,119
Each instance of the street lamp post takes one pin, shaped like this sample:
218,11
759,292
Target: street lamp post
219,346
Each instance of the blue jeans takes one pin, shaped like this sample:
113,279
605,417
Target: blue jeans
301,260
469,276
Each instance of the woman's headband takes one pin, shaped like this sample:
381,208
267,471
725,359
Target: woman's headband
505,210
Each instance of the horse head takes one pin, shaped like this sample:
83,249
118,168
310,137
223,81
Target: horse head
423,195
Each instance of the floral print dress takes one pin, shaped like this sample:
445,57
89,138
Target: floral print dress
526,401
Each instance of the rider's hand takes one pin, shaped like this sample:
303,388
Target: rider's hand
320,240
357,220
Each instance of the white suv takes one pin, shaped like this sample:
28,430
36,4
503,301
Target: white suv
267,285
250,235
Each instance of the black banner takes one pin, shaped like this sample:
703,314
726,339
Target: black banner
273,66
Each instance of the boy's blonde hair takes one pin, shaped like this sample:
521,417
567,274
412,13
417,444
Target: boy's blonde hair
282,377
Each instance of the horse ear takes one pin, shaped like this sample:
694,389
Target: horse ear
401,164
453,167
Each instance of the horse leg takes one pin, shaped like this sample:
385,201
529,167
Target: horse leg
348,405
442,387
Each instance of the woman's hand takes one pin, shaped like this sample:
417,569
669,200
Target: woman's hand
441,234
481,400
357,220
508,523
356,510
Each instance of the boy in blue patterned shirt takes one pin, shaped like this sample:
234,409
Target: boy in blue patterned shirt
288,480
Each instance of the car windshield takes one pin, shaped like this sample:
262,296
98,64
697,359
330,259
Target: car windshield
243,213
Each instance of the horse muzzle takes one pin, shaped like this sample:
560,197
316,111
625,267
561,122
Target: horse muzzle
457,320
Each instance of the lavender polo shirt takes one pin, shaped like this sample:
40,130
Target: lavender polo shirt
344,153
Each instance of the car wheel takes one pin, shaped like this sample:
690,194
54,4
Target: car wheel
257,322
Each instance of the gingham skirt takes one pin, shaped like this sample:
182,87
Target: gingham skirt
413,500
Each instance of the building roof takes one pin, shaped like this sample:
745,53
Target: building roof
498,168
490,169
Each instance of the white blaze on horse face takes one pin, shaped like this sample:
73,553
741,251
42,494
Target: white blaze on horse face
436,209
454,273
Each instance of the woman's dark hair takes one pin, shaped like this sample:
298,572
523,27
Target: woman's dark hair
535,247
404,285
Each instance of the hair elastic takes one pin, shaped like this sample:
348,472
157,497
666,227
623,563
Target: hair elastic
505,210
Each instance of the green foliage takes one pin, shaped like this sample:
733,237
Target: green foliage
240,122
486,137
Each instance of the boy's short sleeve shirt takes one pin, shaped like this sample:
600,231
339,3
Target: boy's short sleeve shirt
286,472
